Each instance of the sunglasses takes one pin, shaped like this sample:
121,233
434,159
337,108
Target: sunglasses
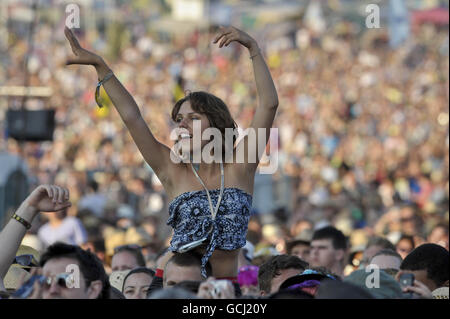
63,280
127,247
27,260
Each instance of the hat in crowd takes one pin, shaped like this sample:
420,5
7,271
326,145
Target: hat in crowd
15,277
112,240
440,293
387,288
304,237
117,277
266,251
334,289
32,241
248,250
138,236
27,251
125,211
307,275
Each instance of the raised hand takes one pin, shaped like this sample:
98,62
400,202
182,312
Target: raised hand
227,35
82,56
49,198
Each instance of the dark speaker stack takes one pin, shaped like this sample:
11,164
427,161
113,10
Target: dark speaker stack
30,125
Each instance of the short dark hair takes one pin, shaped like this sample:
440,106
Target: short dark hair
338,239
139,270
381,242
90,266
432,258
388,252
188,259
271,268
135,250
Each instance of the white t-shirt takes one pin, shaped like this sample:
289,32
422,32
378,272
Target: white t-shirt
71,231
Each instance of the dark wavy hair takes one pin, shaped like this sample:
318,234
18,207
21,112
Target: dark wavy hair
272,268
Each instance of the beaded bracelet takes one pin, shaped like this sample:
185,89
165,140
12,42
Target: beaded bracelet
22,221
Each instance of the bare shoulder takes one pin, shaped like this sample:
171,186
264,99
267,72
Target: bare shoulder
240,176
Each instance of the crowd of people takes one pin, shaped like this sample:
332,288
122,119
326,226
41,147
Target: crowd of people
363,154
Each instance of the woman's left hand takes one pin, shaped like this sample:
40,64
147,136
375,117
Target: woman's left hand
227,35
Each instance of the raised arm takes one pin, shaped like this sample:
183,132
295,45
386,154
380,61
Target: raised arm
45,198
267,94
156,154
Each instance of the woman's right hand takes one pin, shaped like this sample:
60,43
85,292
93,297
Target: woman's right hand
82,56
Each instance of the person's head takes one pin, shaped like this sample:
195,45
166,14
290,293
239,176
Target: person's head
127,257
439,235
137,282
328,249
405,245
374,245
210,110
299,248
184,266
276,270
61,260
409,219
388,260
430,265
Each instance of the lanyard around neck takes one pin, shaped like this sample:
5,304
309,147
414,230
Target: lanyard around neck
213,212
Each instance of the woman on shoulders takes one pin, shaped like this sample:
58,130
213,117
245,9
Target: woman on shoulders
210,204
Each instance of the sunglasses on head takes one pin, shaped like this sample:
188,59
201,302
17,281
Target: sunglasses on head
26,260
127,247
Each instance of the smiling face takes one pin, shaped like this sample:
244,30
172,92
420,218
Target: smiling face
212,115
136,286
187,119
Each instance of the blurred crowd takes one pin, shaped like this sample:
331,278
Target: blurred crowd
363,138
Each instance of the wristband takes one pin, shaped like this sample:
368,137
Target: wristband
99,84
22,221
159,273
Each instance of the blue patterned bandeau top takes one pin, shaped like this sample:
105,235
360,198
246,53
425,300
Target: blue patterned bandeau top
191,220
